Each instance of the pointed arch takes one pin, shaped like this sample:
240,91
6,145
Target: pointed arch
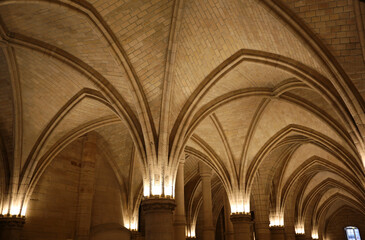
307,75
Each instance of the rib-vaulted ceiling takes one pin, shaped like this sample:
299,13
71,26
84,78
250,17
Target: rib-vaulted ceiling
266,95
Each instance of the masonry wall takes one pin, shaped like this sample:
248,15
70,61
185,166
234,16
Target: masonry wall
344,218
54,209
334,23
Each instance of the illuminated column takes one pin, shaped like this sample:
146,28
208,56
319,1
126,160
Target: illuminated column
11,227
206,177
158,218
229,226
277,233
86,187
180,220
241,225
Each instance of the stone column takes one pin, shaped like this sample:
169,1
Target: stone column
242,226
277,233
180,219
206,177
229,226
262,230
300,237
158,218
11,227
86,187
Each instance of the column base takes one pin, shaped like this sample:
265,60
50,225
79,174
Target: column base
158,218
11,227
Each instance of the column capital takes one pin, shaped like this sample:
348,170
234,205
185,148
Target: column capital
277,228
135,235
158,218
155,204
13,222
300,237
241,217
204,170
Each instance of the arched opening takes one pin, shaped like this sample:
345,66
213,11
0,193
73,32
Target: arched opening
352,233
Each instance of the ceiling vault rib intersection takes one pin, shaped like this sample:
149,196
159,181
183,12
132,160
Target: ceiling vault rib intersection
18,121
113,96
87,9
288,108
228,150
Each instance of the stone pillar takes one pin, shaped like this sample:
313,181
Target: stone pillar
262,230
206,177
180,219
11,227
277,233
135,235
229,234
300,237
86,187
158,218
242,226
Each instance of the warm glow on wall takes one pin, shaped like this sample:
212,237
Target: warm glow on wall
190,232
168,188
276,219
5,211
146,188
240,204
132,226
156,187
299,228
15,210
315,234
24,211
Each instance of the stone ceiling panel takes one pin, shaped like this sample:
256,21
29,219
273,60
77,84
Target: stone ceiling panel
236,119
212,31
305,152
316,99
332,192
86,111
245,76
46,85
142,27
6,107
322,176
120,145
208,132
70,31
278,115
